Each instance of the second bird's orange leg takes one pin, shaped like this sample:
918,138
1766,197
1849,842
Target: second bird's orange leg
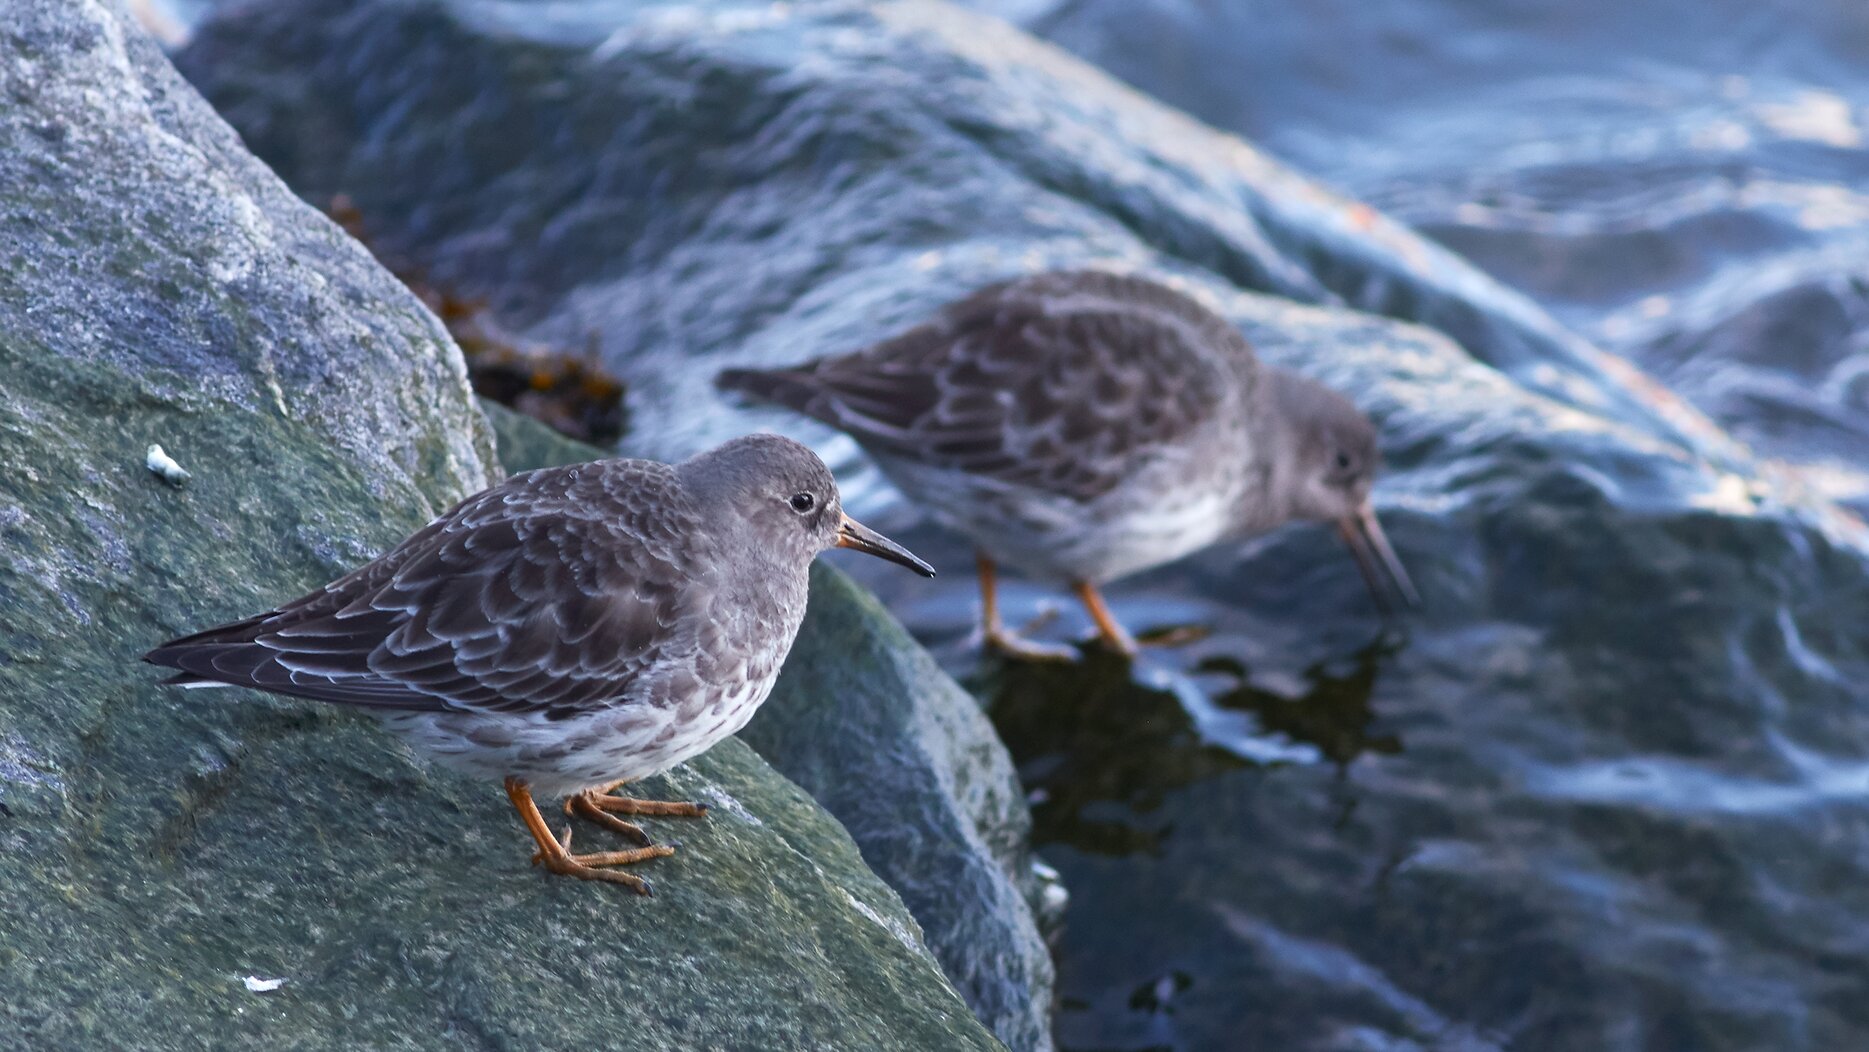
993,632
556,854
989,599
1111,631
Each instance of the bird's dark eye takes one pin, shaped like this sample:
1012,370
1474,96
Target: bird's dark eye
803,502
1343,461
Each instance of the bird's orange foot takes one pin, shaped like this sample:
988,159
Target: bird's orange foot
1121,644
994,636
555,854
597,805
1015,646
601,797
559,859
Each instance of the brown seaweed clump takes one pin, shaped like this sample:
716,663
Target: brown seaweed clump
568,391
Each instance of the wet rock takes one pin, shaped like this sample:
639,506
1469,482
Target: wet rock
237,871
1594,795
865,721
561,388
1781,355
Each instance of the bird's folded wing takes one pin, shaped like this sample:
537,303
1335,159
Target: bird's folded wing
542,596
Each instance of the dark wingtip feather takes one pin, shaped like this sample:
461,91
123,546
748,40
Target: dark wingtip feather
194,660
164,655
241,631
176,652
170,655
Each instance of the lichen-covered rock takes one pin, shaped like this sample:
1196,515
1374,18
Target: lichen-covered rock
232,871
865,721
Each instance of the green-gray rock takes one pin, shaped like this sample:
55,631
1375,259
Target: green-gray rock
866,722
166,859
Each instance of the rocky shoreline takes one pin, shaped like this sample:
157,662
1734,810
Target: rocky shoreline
1531,817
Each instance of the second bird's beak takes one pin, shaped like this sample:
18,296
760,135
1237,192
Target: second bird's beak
1375,558
853,534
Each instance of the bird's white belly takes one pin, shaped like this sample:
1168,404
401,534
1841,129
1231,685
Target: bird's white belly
557,757
1133,527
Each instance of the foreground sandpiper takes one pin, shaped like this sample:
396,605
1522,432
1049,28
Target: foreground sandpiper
1082,426
569,630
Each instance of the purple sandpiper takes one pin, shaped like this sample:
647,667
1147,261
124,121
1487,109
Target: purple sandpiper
569,630
1081,426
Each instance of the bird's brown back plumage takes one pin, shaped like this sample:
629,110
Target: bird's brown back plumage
543,594
1030,381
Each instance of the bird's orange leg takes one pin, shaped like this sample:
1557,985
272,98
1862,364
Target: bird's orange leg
989,599
556,854
1113,634
993,633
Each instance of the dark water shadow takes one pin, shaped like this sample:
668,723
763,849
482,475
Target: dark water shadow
1333,713
1102,744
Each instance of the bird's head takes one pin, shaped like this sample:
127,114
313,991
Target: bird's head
789,498
1334,461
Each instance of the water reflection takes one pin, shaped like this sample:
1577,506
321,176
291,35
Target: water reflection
1101,745
1333,713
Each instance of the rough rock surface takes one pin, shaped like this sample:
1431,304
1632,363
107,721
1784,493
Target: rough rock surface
1595,796
167,859
866,722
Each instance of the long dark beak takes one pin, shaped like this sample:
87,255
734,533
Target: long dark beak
853,534
1381,569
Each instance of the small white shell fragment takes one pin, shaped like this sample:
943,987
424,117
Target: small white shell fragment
164,467
262,986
